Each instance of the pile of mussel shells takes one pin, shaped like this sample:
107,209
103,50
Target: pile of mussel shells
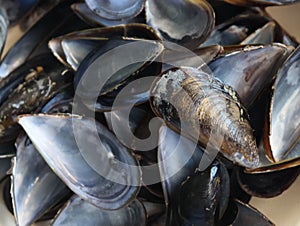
145,112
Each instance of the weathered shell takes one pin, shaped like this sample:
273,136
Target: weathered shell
78,212
115,9
207,110
35,187
38,86
90,168
246,74
184,22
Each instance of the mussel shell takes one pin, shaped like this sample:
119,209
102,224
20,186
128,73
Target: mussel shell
247,216
3,28
115,9
87,15
62,102
18,76
34,41
98,75
175,56
269,184
38,87
246,73
79,212
281,139
108,176
184,22
35,187
264,35
236,192
16,9
235,30
178,158
86,40
194,102
203,198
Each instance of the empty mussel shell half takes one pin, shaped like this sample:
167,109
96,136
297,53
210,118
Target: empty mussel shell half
115,9
79,212
86,156
36,188
87,15
282,137
184,22
206,110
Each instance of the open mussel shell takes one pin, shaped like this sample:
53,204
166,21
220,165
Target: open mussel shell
96,167
87,15
79,212
7,217
99,75
268,184
207,111
35,186
115,9
204,196
83,42
246,74
184,22
261,2
282,138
